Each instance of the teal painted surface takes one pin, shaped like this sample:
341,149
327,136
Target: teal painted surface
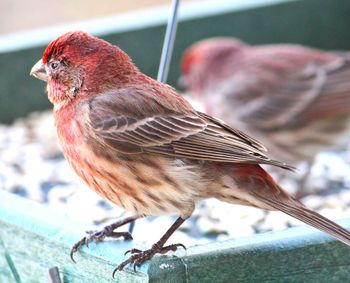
36,239
318,23
33,238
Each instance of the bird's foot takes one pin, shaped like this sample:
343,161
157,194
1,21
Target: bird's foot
138,257
98,236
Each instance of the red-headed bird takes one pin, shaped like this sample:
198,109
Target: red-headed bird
139,144
295,99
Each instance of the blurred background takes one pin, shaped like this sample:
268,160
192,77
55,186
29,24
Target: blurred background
31,164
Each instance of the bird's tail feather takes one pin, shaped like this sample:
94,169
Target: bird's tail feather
262,191
297,210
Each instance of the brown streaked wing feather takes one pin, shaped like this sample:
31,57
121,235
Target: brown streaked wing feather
190,134
315,92
334,99
283,105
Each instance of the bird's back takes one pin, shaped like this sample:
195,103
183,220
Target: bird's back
293,98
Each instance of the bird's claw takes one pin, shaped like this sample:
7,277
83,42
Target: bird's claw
76,247
98,236
132,251
138,257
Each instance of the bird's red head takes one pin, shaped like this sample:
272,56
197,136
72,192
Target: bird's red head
207,49
77,64
72,45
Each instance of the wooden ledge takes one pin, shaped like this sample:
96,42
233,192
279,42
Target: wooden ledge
33,238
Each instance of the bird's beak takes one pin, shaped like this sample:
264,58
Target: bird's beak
39,71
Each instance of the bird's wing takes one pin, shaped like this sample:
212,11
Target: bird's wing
133,121
304,96
334,97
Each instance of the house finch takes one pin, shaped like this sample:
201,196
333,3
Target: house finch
139,144
296,100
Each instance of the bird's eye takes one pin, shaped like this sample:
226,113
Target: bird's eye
54,65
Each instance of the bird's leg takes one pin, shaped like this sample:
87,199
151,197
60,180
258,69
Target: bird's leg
108,231
138,257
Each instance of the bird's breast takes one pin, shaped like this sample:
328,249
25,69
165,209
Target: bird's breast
148,185
69,126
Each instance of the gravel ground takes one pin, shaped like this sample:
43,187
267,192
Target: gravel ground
32,166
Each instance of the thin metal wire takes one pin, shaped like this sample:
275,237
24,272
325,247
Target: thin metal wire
54,275
168,43
131,227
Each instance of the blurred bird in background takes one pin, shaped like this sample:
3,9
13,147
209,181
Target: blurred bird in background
139,144
295,99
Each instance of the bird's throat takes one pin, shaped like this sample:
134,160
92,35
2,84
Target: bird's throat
59,94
